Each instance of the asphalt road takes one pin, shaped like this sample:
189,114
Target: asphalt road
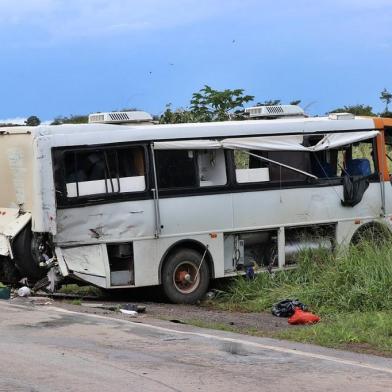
51,349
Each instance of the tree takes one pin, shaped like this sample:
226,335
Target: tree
209,104
386,114
72,119
214,105
357,110
386,97
33,121
177,116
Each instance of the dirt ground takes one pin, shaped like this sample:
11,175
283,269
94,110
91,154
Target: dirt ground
263,324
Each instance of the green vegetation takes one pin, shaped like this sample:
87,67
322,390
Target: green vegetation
81,290
361,331
209,104
33,121
352,292
73,119
76,302
359,280
357,110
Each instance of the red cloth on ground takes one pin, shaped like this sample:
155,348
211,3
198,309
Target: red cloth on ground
301,317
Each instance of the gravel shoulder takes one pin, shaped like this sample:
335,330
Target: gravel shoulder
261,324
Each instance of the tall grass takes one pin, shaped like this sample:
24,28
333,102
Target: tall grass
359,279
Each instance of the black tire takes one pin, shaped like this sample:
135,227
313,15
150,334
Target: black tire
9,274
374,234
24,260
182,280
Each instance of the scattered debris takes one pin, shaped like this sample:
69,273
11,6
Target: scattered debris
24,292
286,308
175,321
132,313
296,311
210,295
133,307
129,309
5,292
301,317
250,273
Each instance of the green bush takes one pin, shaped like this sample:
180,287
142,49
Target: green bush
357,280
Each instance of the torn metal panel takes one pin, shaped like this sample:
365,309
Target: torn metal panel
61,262
269,143
12,221
113,222
44,203
89,262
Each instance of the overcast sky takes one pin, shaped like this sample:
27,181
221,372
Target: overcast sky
62,57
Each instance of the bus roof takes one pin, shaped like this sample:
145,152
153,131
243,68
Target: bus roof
73,134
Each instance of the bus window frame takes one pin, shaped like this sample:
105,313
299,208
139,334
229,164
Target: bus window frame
63,201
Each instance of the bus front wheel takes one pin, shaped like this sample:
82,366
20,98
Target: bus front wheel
185,277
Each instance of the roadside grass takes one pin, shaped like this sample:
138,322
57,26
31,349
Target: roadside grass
81,290
351,290
369,332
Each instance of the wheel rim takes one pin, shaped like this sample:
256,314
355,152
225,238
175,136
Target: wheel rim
186,278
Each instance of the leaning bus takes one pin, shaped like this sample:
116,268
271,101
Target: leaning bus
122,202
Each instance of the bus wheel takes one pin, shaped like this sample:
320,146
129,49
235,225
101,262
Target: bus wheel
373,233
184,280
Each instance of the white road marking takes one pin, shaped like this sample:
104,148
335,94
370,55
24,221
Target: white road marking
238,341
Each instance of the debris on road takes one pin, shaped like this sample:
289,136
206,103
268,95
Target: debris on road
133,307
296,311
301,317
286,308
129,309
24,292
132,313
5,292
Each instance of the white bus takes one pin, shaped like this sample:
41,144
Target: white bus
140,204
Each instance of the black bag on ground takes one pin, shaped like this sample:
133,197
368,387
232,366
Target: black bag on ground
286,307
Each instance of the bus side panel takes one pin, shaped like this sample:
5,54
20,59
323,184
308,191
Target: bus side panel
111,222
301,206
195,214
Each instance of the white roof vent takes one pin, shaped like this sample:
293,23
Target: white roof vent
120,117
341,116
274,111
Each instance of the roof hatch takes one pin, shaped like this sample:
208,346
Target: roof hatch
275,111
120,117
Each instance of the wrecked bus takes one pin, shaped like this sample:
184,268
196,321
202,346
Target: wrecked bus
122,202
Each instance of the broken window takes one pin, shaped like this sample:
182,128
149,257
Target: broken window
357,159
190,168
104,171
388,147
252,168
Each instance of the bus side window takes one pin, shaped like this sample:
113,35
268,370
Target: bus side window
361,159
250,169
176,169
212,168
104,171
190,168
